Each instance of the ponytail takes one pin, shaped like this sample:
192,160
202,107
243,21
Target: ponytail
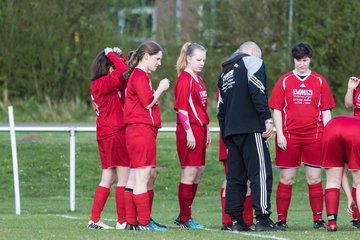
181,62
132,63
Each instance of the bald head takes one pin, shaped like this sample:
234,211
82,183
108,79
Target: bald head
250,48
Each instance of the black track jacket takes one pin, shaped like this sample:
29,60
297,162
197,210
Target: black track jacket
243,101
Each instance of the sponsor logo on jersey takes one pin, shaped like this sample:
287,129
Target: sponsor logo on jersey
302,92
203,95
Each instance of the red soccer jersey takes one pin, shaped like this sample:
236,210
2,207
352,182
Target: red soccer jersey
191,96
139,94
357,100
106,96
301,102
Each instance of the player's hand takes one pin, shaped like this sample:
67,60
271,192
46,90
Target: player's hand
117,50
164,84
281,141
350,204
107,50
353,83
191,143
269,127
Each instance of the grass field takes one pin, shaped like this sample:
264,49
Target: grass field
44,186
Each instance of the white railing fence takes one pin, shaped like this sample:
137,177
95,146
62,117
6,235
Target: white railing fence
72,157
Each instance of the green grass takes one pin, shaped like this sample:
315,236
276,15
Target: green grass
44,182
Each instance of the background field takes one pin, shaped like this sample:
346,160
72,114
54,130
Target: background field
44,182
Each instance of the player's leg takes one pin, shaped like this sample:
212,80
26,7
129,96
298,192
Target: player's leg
248,213
122,176
283,195
316,196
356,213
130,208
236,183
332,195
101,195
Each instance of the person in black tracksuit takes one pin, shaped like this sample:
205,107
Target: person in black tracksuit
246,125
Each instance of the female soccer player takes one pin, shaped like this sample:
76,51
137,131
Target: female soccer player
142,118
107,94
192,133
302,103
340,147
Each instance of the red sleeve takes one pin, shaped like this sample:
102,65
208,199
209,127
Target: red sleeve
143,90
118,61
327,99
277,96
182,93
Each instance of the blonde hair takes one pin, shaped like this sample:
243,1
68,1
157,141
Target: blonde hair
186,50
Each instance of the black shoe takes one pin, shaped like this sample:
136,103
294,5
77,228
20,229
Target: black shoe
281,225
177,221
355,223
239,227
157,224
131,227
225,228
319,224
265,225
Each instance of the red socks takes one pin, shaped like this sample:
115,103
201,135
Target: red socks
194,190
131,213
185,196
248,213
356,214
142,203
226,219
120,204
100,197
151,198
283,198
332,198
316,198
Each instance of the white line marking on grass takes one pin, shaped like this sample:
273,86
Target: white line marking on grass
68,216
249,234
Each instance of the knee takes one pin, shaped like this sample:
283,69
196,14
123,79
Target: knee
287,179
313,179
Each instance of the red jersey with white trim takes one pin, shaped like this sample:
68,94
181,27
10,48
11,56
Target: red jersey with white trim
139,94
301,101
108,100
191,96
357,100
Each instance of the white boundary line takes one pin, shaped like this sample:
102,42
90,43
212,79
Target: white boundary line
206,229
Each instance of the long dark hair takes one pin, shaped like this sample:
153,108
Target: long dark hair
136,56
100,66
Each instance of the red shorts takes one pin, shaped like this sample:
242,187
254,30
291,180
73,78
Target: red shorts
141,145
195,157
222,149
341,143
307,151
113,151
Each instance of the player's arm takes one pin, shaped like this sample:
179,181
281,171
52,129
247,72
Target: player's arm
346,188
258,92
183,117
163,86
326,116
349,96
281,140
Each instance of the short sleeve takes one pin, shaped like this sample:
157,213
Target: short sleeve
143,90
327,99
277,96
182,93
